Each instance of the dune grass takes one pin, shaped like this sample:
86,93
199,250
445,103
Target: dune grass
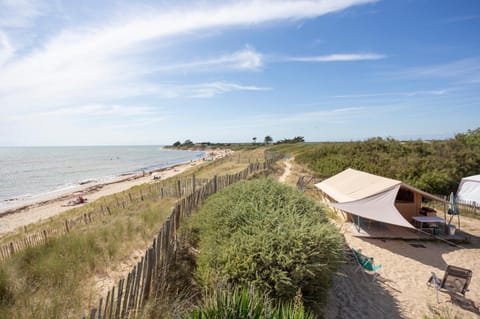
246,303
54,280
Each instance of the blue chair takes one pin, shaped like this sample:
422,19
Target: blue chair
365,263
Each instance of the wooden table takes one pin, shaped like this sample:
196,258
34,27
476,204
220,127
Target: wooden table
427,219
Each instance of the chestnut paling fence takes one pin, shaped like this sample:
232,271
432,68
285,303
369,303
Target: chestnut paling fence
172,188
148,277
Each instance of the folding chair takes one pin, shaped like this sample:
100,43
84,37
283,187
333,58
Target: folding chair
366,263
455,281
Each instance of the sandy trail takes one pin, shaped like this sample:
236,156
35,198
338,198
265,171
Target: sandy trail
288,170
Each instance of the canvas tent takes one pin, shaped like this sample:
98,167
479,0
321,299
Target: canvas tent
373,197
469,189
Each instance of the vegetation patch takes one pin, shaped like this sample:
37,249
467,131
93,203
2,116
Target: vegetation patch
268,236
244,303
48,281
433,166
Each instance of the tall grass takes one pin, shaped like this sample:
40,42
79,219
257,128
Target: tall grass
54,280
245,303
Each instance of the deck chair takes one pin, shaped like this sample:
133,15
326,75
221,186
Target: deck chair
455,281
366,263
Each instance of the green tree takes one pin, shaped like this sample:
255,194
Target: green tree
177,143
268,139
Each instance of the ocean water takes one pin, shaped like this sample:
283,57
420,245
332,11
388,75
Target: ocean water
29,174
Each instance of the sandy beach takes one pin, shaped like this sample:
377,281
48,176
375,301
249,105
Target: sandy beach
401,290
12,219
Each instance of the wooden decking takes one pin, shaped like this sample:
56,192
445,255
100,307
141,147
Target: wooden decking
377,230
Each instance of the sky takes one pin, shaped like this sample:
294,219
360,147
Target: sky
154,72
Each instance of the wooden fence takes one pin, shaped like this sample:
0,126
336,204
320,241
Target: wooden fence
469,207
172,188
147,279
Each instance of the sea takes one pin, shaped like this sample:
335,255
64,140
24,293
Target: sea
31,174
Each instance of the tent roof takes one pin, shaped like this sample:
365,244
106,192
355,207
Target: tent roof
352,185
367,195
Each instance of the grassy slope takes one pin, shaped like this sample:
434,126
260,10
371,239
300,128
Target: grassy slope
53,280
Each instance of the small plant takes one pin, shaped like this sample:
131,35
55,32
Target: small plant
245,303
442,313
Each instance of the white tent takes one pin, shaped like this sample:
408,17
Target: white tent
367,195
469,189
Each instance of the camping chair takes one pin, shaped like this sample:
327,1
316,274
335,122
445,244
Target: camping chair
455,281
365,263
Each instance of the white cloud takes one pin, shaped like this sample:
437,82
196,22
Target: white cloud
338,57
17,13
207,90
247,59
464,70
6,49
411,93
101,64
94,64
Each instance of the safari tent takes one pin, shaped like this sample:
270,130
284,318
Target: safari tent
373,197
469,190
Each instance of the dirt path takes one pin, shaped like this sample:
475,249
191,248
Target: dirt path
288,169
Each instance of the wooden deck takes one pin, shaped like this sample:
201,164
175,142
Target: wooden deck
377,230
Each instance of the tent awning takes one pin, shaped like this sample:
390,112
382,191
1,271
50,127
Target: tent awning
379,207
369,196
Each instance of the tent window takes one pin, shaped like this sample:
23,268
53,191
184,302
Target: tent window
405,196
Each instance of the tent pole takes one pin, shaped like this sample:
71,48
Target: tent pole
445,218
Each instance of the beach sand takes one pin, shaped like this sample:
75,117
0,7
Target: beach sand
12,219
401,290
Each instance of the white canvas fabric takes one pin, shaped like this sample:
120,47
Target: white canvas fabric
469,189
352,185
379,207
367,195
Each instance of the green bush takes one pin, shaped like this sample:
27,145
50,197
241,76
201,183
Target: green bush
433,166
245,304
268,235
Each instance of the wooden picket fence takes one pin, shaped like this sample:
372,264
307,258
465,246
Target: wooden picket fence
147,279
175,188
469,207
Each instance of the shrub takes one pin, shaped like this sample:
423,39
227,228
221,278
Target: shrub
268,235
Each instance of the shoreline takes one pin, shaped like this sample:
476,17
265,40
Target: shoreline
14,218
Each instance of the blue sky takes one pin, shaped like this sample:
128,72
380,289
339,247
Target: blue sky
154,72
